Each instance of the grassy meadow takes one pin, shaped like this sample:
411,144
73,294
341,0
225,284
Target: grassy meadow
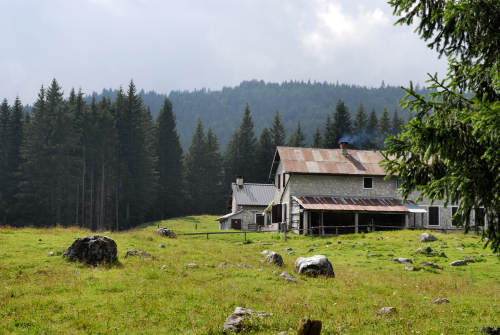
43,294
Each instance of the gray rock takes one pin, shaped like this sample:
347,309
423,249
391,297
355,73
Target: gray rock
461,249
223,265
291,252
165,232
135,252
51,253
287,249
274,258
265,252
164,267
402,260
485,240
439,301
314,266
288,277
244,266
426,237
374,255
458,263
192,265
431,265
339,241
161,246
386,311
409,268
282,333
442,254
92,250
233,324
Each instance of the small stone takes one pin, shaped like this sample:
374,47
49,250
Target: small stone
161,246
274,258
491,330
485,240
431,265
460,249
311,250
339,241
223,265
386,311
288,277
135,252
440,301
409,268
287,249
426,237
192,265
282,333
51,253
402,260
309,327
165,232
458,263
209,265
428,250
380,238
374,255
164,267
442,254
265,252
243,266
39,240
291,252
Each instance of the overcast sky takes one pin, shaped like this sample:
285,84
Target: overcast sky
186,44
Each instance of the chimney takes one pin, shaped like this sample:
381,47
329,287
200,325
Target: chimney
343,146
239,181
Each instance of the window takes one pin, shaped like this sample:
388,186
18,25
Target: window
284,180
259,219
367,182
279,181
276,213
433,216
453,212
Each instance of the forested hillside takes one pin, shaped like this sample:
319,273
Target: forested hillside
306,102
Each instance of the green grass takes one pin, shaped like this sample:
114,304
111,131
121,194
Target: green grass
42,294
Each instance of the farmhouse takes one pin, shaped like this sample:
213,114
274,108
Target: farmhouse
248,202
332,191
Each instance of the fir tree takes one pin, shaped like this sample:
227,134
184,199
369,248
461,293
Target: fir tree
297,138
317,140
214,189
384,127
194,171
4,160
170,195
341,122
396,124
360,121
329,138
264,155
278,131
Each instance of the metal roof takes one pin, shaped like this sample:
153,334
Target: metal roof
329,161
253,194
227,216
357,204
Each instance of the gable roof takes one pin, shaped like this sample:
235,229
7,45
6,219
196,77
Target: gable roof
253,194
328,161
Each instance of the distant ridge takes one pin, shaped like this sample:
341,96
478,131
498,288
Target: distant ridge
309,102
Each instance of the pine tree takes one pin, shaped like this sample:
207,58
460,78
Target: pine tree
4,160
372,131
342,124
384,127
194,171
360,121
278,131
396,124
214,189
170,169
246,146
317,139
297,138
329,138
264,155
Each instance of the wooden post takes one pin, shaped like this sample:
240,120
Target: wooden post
322,225
336,231
285,230
245,236
356,228
207,236
195,226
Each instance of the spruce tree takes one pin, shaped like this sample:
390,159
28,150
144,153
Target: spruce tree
170,169
278,131
360,121
264,155
372,131
4,160
195,176
384,127
396,124
297,138
329,138
246,147
317,139
342,124
214,191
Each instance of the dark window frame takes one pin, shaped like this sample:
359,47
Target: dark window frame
365,179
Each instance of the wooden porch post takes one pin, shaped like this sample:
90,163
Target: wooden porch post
356,228
322,225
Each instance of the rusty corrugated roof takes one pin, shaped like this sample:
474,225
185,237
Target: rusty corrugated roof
357,204
331,161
